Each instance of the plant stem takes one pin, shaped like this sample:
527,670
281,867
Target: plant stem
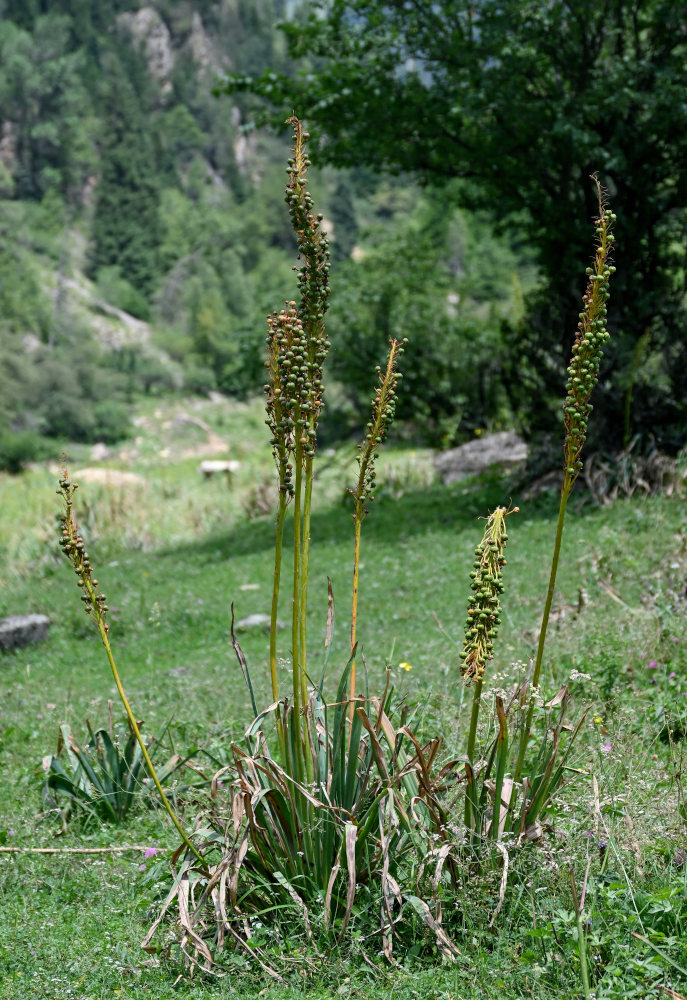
295,616
565,493
472,739
281,515
96,608
354,608
581,939
583,956
383,406
305,555
501,756
137,733
472,735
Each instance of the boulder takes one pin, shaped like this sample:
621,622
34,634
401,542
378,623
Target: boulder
99,452
211,467
505,449
22,630
257,621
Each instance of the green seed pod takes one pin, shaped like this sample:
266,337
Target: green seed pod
482,619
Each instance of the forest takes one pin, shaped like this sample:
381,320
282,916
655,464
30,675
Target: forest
133,186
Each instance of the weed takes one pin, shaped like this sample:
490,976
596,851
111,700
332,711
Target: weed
102,778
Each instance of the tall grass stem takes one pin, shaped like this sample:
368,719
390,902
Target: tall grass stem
383,409
146,756
95,606
298,700
565,493
278,545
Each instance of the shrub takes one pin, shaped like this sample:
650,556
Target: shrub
119,292
18,448
111,421
400,287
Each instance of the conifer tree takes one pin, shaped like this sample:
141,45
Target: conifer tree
126,230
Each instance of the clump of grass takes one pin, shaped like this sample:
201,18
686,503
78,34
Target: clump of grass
102,777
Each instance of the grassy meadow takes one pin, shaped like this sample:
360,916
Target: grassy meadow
173,550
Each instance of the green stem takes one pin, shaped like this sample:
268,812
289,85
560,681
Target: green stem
565,493
583,956
472,740
501,755
307,507
295,616
137,733
472,735
581,938
382,413
281,515
354,608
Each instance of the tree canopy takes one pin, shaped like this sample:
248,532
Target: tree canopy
524,100
125,223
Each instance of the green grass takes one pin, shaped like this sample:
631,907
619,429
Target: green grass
71,926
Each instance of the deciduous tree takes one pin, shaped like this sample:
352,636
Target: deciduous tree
524,99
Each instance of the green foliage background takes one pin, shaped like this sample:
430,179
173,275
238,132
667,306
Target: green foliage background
523,100
148,186
454,144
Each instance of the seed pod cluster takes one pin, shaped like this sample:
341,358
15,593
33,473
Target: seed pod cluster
296,341
481,627
95,603
383,410
313,253
583,371
294,392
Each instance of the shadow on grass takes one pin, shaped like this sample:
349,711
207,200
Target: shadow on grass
392,518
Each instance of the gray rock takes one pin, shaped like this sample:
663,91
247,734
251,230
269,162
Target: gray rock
99,452
209,467
151,34
22,630
256,621
551,482
505,449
